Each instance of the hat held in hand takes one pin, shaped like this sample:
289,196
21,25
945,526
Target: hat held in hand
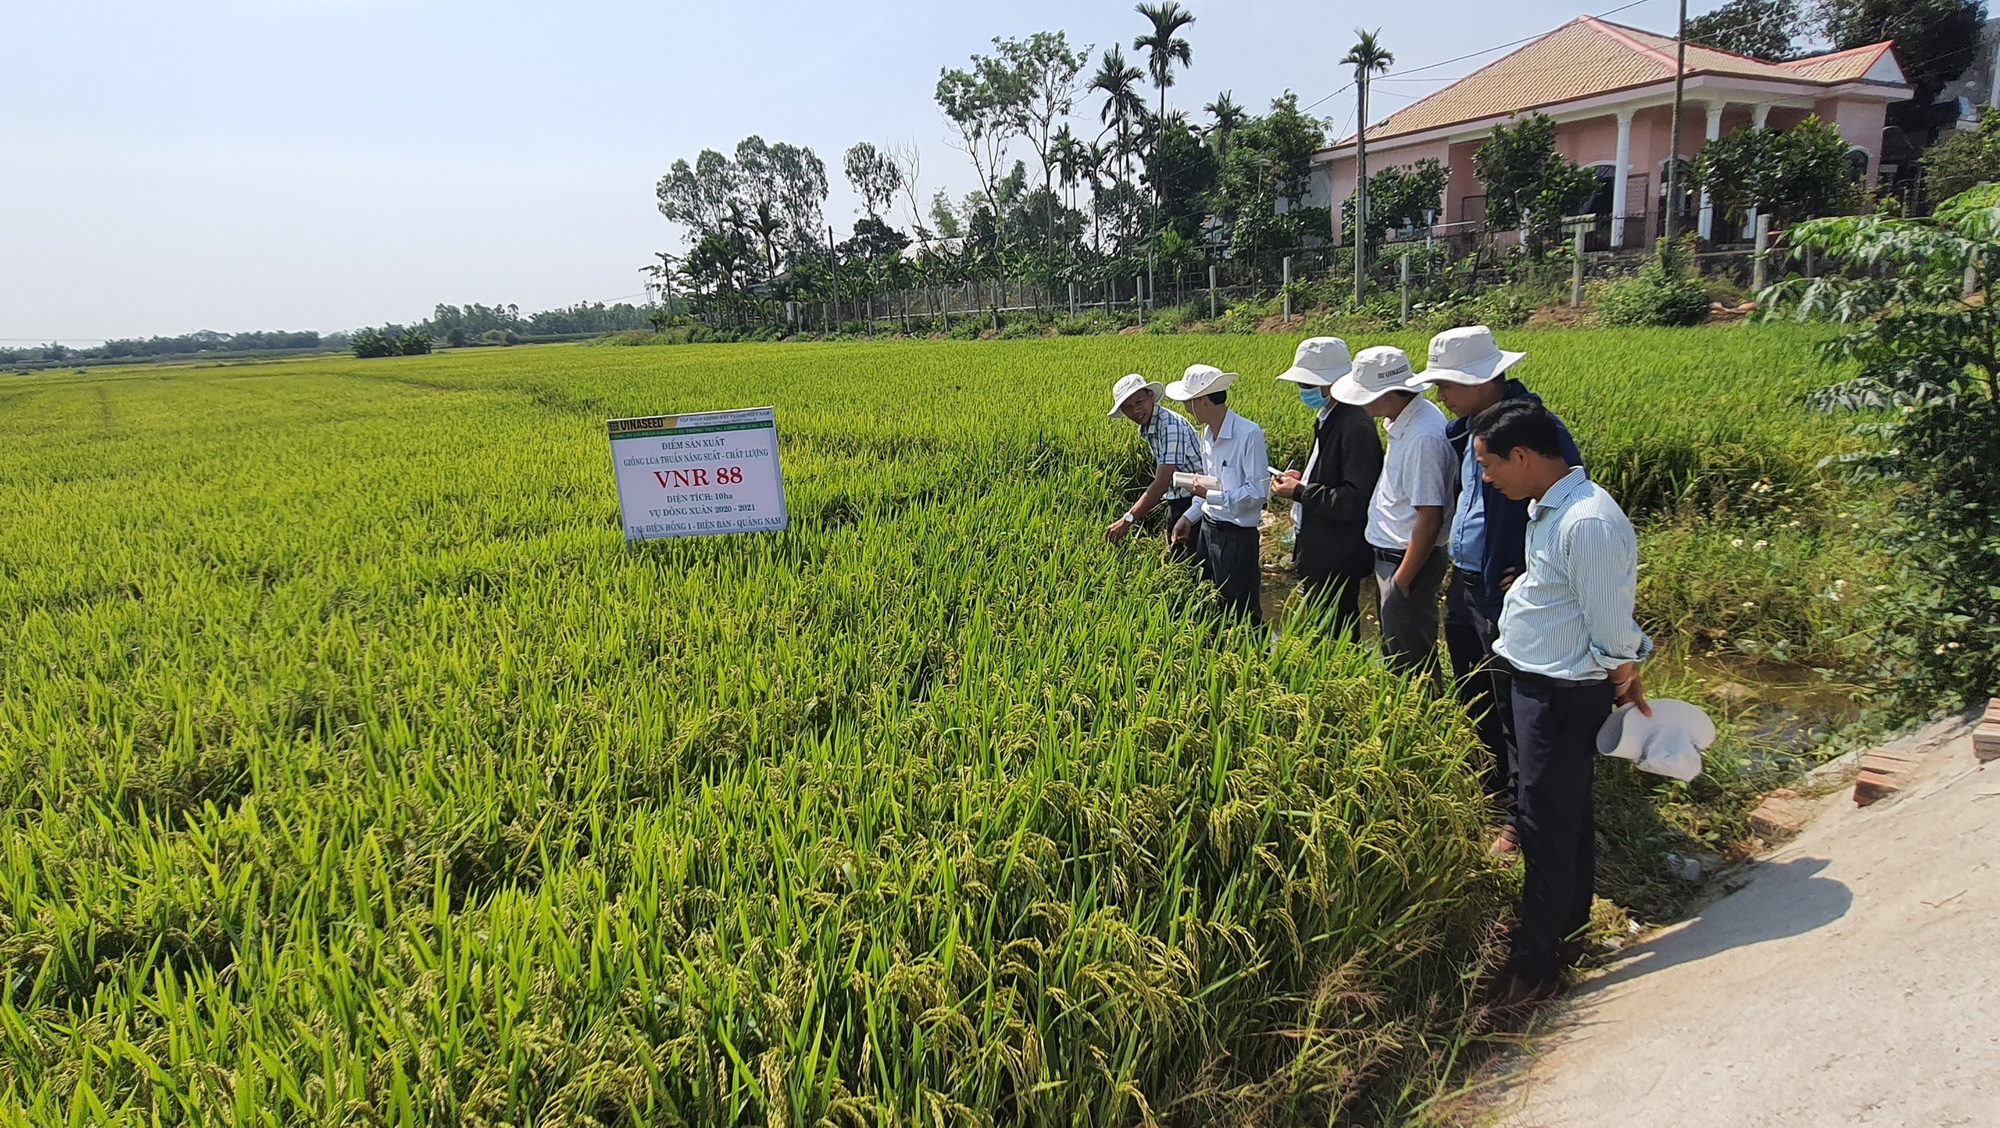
1668,743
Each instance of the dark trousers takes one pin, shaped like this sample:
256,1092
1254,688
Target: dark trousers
1482,689
1555,753
1176,509
1229,559
1341,595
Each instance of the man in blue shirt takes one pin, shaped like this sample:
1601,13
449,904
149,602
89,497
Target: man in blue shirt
1572,650
1175,449
1487,529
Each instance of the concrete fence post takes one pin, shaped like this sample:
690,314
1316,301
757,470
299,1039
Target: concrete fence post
1287,287
1211,291
1759,266
1576,271
1403,270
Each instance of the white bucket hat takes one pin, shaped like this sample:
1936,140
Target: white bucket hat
1378,371
1199,380
1668,743
1127,387
1319,362
1468,355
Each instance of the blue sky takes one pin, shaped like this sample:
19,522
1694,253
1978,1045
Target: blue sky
324,164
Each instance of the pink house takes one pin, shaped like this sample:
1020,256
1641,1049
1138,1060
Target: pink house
1610,90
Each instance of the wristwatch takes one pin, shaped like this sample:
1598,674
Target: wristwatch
1131,518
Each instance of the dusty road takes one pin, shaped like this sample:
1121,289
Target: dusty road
1853,978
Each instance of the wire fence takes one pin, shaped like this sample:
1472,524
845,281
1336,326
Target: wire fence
1443,262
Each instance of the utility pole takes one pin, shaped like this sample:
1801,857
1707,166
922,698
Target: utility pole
1360,184
833,263
1674,146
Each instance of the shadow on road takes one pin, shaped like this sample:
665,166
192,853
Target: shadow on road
1781,899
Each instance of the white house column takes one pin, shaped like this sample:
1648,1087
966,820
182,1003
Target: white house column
1759,114
1708,205
1618,178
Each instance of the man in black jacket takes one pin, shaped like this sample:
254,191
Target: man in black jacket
1330,499
1488,531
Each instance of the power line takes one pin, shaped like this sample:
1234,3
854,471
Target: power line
1469,55
1514,43
1335,95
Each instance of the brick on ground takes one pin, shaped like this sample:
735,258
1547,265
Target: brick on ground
1986,738
1781,815
1882,775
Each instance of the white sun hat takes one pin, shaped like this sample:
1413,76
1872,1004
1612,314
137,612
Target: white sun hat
1468,355
1319,362
1129,386
1378,371
1199,380
1668,743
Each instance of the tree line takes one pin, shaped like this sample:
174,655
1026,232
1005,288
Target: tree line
1080,178
474,324
456,326
1088,176
205,341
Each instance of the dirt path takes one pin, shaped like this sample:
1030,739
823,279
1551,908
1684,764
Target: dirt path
1850,977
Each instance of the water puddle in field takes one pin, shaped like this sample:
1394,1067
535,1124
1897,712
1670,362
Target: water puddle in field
1773,705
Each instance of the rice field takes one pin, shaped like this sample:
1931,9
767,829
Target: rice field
354,769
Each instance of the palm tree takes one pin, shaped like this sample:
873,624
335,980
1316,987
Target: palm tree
1228,115
1368,59
1163,49
1096,161
1068,155
1119,81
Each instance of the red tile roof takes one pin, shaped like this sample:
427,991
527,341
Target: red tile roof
1589,56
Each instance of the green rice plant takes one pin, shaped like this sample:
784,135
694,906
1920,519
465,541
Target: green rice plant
354,768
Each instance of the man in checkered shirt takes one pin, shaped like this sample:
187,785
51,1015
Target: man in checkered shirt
1174,449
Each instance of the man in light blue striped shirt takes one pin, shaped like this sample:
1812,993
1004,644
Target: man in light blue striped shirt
1572,650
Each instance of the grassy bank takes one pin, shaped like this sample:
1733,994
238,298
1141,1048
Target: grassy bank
355,769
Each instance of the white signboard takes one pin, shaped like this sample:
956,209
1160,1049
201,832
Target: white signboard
694,475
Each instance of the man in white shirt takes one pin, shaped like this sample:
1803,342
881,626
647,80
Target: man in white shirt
1572,651
1406,516
1222,521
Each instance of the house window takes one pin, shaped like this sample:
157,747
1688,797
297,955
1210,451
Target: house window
1599,203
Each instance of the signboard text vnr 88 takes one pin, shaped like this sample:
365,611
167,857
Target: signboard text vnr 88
700,474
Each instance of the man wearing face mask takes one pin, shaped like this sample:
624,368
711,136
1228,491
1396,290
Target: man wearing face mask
1330,498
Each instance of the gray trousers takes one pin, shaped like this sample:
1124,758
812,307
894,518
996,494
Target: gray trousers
1410,622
